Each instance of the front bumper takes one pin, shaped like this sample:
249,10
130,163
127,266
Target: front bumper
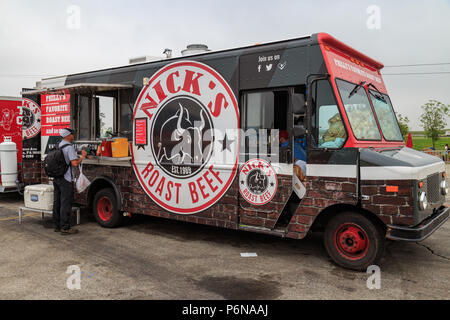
421,231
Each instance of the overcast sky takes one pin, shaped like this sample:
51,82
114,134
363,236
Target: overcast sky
40,38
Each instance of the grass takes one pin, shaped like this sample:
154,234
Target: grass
422,133
420,143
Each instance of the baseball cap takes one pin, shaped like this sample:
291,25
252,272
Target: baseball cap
65,132
284,134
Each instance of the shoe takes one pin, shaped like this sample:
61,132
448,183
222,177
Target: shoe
69,231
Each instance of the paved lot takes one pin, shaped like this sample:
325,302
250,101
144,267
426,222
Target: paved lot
161,259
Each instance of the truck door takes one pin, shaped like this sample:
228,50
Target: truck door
265,175
329,164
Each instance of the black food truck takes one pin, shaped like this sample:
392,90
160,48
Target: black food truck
278,138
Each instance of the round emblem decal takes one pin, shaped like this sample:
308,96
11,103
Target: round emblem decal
257,182
31,119
185,146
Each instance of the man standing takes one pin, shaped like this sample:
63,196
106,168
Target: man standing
63,186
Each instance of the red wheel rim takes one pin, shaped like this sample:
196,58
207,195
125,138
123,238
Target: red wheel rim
351,241
104,208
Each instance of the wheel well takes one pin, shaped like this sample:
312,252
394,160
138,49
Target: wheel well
100,183
325,215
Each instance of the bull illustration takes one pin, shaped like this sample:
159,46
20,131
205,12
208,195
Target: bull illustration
189,137
7,119
257,183
27,118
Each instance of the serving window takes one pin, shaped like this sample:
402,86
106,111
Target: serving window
98,115
95,115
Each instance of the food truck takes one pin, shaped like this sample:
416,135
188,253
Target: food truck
214,139
19,142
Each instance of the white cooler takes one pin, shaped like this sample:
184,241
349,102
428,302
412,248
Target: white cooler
39,196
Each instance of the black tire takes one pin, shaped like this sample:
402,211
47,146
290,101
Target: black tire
354,241
105,209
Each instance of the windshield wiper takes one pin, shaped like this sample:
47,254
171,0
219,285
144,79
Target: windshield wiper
379,97
355,89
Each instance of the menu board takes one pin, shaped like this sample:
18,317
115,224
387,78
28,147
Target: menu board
55,113
140,131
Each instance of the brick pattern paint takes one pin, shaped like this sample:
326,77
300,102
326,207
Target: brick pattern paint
32,170
228,212
225,213
267,215
134,200
390,207
322,192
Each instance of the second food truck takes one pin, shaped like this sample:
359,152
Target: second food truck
279,138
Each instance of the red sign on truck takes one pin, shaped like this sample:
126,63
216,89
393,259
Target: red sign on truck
55,113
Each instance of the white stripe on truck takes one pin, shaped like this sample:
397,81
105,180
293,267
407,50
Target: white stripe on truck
331,170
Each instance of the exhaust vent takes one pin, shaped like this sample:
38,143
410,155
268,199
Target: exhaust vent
195,49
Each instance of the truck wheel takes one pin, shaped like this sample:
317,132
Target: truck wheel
353,241
105,209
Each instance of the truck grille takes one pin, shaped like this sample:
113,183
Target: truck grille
433,191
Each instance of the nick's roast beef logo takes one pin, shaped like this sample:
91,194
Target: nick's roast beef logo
30,119
185,149
257,182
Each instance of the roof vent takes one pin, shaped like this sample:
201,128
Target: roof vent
195,49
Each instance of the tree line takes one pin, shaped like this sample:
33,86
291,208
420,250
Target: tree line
433,120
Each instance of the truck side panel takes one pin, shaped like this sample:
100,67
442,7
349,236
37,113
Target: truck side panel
135,201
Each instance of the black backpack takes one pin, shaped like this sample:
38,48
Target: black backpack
55,165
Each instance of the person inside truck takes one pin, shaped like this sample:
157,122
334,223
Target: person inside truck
284,139
63,186
299,145
284,145
299,152
300,149
300,155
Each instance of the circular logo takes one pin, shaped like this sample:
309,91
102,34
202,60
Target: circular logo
31,119
177,123
185,146
257,182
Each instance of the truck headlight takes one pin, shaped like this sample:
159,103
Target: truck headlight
444,189
423,203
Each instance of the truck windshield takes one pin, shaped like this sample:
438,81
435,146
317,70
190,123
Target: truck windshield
386,117
359,111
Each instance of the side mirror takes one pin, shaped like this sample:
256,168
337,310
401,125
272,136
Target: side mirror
299,131
298,104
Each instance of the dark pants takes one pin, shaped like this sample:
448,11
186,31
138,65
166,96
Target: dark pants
62,203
